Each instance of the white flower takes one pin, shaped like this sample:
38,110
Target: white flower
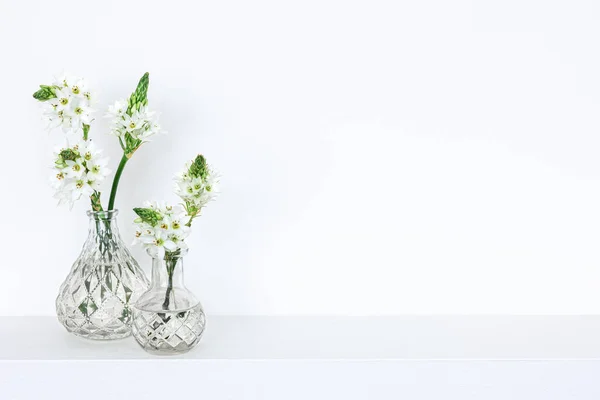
71,108
75,168
79,170
79,187
168,232
81,114
197,191
63,99
140,124
175,225
79,88
161,207
117,110
98,170
88,150
63,80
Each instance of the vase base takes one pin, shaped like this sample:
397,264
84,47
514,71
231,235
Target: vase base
101,337
166,352
168,333
93,332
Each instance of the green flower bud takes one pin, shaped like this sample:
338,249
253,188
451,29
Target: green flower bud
140,96
199,168
45,93
148,215
68,155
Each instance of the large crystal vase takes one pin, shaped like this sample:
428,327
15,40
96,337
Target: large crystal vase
95,300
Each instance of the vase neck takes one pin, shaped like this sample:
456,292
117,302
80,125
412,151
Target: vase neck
167,292
103,223
103,231
167,271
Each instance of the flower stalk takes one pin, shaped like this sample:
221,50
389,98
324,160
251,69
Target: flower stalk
67,104
162,229
170,262
132,125
115,184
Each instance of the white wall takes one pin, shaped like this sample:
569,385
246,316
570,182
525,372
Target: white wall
378,157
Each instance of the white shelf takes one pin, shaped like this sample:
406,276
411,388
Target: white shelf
415,357
332,338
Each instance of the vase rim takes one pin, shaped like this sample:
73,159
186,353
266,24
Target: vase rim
102,215
152,253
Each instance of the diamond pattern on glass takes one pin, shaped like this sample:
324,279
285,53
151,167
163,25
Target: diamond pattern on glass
168,332
94,300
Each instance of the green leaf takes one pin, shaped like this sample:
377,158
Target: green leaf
45,93
148,215
199,168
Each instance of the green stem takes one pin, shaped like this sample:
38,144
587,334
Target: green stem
189,223
170,269
115,185
170,263
86,130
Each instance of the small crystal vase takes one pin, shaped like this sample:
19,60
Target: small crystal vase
168,318
94,301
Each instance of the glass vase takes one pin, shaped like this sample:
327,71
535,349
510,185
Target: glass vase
168,318
95,300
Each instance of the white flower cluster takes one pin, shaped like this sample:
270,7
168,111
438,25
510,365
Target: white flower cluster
196,189
79,171
161,228
71,108
140,124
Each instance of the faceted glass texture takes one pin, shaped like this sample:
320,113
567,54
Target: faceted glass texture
168,318
95,299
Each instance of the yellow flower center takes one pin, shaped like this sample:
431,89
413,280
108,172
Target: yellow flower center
75,89
64,101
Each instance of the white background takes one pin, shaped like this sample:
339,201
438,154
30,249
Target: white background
378,157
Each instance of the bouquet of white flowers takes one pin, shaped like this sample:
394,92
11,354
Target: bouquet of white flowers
79,170
94,300
167,306
164,228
